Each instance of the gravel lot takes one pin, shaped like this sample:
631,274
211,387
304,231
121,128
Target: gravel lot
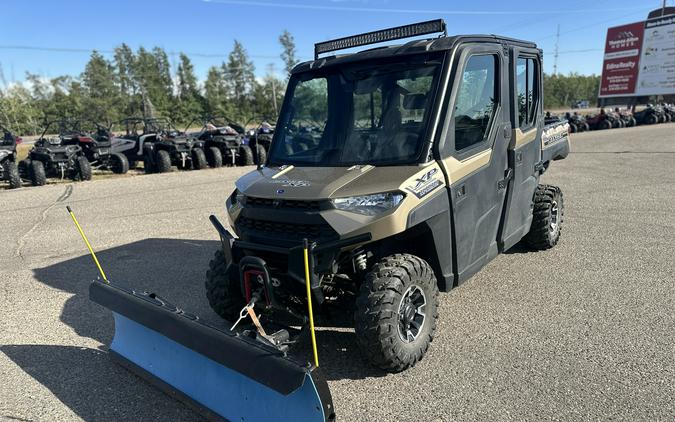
583,331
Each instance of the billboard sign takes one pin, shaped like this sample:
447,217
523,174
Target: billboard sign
640,59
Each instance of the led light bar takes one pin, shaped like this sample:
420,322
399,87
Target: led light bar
390,34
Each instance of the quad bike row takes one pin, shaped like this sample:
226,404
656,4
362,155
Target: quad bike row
617,118
81,146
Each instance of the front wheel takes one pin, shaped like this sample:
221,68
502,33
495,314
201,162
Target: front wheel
222,288
547,218
38,177
83,168
198,159
12,174
396,312
162,161
214,157
245,156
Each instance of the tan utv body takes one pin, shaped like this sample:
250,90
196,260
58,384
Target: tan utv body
407,168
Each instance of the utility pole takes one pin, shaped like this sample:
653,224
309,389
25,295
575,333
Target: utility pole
663,9
555,56
274,87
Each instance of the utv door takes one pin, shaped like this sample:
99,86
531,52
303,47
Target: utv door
474,154
525,146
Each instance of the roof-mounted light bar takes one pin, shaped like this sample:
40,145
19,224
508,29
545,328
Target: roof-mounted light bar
390,34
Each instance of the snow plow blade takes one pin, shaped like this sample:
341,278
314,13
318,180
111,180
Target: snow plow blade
222,374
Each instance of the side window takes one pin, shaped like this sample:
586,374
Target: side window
476,101
528,91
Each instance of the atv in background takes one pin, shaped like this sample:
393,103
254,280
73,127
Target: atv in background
626,117
669,109
260,138
8,168
160,145
56,156
102,149
599,121
615,119
577,122
223,142
648,116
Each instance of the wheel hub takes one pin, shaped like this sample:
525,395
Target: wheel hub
411,314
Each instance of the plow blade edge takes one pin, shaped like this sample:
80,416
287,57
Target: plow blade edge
224,375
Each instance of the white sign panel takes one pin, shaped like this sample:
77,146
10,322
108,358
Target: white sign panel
657,59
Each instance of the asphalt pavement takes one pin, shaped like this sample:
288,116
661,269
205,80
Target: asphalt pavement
584,331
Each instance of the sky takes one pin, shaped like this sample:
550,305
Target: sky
53,38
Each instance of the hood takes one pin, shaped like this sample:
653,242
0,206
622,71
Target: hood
315,183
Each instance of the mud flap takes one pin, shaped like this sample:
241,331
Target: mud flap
222,374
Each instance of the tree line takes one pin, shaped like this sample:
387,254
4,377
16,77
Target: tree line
141,83
561,91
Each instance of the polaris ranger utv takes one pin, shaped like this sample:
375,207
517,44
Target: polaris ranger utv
160,145
56,156
393,173
102,149
8,168
222,140
409,168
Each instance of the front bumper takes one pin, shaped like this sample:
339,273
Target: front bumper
248,256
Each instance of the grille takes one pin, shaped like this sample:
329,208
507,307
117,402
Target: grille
269,230
285,204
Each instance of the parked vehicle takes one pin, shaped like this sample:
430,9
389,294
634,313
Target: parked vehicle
8,167
260,137
160,145
626,117
56,156
600,121
102,149
223,142
649,116
577,122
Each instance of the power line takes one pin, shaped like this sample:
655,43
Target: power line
407,11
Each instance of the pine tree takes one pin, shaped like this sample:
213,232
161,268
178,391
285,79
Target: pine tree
288,54
240,79
99,89
215,92
191,102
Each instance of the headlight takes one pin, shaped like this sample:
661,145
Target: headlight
369,204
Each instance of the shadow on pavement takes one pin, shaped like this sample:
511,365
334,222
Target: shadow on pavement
92,386
95,388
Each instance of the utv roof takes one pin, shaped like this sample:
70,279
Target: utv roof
440,43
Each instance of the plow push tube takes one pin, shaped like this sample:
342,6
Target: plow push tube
224,375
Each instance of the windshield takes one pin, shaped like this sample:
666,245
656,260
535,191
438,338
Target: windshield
365,113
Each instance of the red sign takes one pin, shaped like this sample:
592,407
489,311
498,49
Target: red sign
621,65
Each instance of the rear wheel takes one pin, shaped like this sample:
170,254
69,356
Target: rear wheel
222,288
245,156
652,119
396,312
162,161
12,174
198,159
119,164
547,218
605,124
37,173
82,168
214,157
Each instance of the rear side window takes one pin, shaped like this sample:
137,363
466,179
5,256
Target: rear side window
476,101
528,91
